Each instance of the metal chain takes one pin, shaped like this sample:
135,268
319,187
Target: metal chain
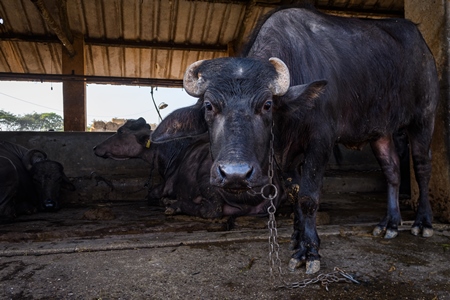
337,275
274,246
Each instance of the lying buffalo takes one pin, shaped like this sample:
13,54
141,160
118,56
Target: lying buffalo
334,80
179,172
29,182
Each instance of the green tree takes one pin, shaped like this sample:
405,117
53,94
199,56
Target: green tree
26,123
31,122
7,120
52,121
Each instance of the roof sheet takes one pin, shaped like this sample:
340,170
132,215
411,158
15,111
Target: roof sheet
140,40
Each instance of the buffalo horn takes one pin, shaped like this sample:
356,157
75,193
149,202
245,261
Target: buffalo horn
193,84
33,156
280,86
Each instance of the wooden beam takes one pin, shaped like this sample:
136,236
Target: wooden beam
330,7
52,24
64,20
156,45
158,82
118,43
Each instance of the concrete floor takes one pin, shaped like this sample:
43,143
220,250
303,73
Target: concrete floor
128,250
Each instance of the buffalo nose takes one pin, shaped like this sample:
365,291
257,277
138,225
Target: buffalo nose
235,173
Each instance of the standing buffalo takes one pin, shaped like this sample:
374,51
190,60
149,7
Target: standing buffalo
28,181
380,77
179,172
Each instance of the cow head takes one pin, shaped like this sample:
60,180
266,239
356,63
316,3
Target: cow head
48,178
131,139
239,99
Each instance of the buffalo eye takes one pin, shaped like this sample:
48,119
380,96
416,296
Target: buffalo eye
267,105
208,106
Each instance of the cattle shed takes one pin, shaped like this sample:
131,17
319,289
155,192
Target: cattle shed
151,43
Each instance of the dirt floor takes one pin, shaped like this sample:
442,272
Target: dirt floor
123,250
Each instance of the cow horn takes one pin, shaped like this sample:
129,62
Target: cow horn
280,86
193,84
33,156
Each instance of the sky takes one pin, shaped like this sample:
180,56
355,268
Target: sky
103,102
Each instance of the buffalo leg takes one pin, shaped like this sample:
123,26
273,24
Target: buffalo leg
401,141
384,150
420,152
305,240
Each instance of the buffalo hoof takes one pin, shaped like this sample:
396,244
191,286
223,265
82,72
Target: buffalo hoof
415,230
390,234
377,231
426,232
312,266
294,263
168,201
172,206
169,211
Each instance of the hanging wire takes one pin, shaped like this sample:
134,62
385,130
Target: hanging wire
156,107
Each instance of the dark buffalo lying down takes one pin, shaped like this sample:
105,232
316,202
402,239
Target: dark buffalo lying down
29,182
180,171
379,77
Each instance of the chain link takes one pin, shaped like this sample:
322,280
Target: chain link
337,275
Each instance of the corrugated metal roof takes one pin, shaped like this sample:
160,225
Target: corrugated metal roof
143,39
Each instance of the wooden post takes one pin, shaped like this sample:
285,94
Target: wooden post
74,91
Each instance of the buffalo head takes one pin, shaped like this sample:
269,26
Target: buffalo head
48,178
239,101
130,141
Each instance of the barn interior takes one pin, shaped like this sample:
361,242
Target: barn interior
151,43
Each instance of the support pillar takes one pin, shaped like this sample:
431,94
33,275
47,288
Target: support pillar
433,19
74,91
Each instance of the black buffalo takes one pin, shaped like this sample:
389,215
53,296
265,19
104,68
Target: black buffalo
380,78
29,182
180,172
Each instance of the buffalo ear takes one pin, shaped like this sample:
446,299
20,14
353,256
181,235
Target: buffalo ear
33,156
183,122
137,124
302,96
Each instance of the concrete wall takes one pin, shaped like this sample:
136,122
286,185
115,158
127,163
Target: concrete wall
92,175
432,17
